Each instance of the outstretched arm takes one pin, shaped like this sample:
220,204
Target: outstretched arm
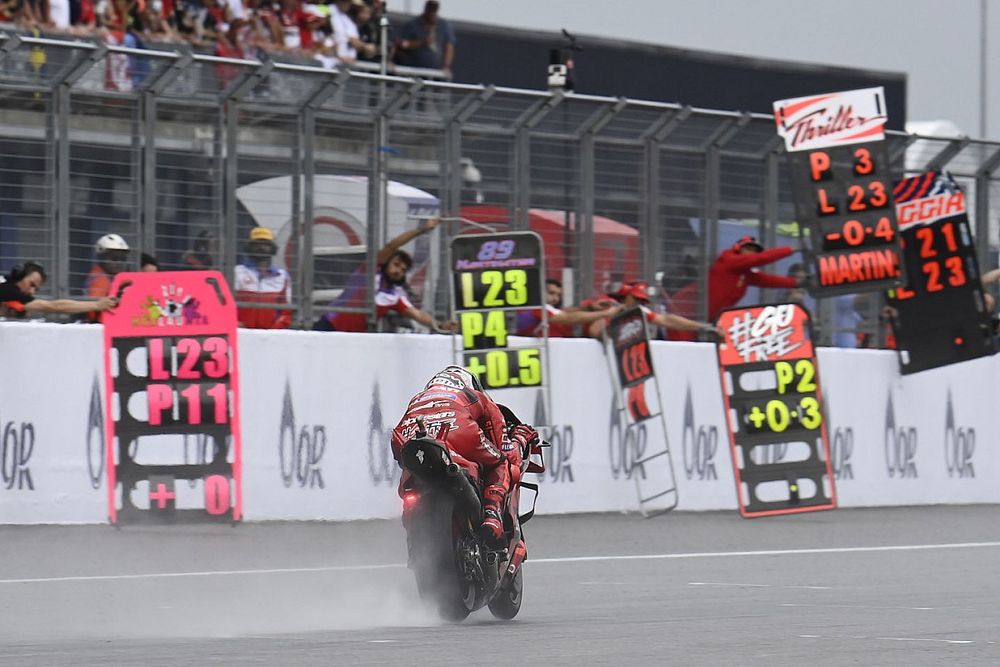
428,320
678,323
760,279
395,244
71,306
740,262
574,317
991,277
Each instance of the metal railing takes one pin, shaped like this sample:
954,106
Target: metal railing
173,150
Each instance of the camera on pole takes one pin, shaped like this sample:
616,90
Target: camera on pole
560,74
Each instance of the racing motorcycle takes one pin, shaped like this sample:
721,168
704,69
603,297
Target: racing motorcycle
455,569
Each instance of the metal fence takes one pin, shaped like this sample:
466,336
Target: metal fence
178,152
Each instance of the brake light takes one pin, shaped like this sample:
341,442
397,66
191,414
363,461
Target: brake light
410,499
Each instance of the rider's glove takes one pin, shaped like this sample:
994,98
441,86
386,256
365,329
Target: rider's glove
524,435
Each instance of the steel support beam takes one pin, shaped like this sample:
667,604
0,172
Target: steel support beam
984,179
521,167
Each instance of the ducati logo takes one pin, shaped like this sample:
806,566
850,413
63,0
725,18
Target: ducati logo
959,445
699,443
558,467
300,450
900,446
95,436
382,468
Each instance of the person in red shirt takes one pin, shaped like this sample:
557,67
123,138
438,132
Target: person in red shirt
257,281
637,294
729,277
453,408
390,294
561,322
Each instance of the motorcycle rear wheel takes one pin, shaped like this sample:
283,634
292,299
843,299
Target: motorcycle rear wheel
507,602
438,527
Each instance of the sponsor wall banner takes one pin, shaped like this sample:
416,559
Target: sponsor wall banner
317,409
52,424
918,439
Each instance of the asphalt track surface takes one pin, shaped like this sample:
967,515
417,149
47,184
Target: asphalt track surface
906,586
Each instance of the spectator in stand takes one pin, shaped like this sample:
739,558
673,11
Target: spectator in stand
562,322
18,290
154,25
297,25
390,295
427,41
148,263
368,18
201,256
732,272
846,319
637,294
257,281
112,259
11,11
345,33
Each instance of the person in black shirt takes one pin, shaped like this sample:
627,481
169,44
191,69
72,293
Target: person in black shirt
17,295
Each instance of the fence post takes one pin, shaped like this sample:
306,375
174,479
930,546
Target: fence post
307,134
229,118
150,93
586,136
451,186
945,155
649,228
528,120
713,158
378,182
983,179
62,92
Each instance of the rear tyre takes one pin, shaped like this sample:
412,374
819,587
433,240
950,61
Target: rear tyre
507,602
435,540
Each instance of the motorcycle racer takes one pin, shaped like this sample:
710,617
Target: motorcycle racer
454,409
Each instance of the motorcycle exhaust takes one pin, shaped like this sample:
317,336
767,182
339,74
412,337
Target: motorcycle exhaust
463,490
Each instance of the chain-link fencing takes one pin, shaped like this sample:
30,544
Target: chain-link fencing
183,154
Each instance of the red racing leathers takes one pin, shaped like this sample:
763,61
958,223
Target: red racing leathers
471,425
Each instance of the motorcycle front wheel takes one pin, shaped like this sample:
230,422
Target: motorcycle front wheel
507,601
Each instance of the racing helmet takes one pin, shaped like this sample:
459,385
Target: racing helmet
457,378
110,242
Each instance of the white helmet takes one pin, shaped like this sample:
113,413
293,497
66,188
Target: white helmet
111,242
455,377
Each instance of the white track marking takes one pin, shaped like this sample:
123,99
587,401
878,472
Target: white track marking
737,585
771,552
854,606
534,561
206,573
899,639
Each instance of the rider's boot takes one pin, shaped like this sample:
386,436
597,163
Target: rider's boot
491,529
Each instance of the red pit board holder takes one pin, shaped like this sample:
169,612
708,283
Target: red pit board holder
771,390
171,369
